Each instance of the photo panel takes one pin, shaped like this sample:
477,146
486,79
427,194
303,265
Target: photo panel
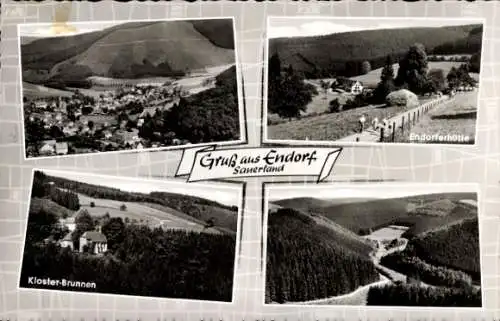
374,245
111,86
353,81
102,234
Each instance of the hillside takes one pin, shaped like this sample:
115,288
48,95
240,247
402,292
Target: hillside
199,208
456,247
46,205
342,53
361,217
307,261
130,50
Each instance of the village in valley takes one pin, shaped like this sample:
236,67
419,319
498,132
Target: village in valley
109,122
79,99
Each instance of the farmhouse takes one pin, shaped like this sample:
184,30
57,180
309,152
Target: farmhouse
93,241
357,88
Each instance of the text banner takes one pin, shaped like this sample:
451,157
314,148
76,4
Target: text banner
206,163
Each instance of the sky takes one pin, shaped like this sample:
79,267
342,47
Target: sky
375,190
303,27
222,194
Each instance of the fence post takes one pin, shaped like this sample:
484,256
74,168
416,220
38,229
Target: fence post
382,134
418,114
409,120
403,125
393,131
414,118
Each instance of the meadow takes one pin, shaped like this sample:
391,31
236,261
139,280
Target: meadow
142,213
456,117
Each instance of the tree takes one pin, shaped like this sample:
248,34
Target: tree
325,85
291,96
413,68
274,68
366,67
334,106
475,62
90,124
84,223
114,230
386,84
437,78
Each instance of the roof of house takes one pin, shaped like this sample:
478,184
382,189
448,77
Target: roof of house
94,236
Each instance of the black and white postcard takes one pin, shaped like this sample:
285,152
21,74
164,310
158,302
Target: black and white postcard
372,80
373,245
129,236
115,86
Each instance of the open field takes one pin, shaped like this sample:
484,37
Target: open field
458,117
39,91
140,212
388,233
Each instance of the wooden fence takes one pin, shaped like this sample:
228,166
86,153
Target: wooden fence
409,119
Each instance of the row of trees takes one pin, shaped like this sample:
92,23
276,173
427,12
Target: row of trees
414,295
306,261
141,261
43,189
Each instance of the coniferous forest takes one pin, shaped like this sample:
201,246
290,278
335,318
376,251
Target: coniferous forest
140,260
420,250
306,261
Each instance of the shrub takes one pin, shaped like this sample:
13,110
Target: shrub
92,204
334,106
402,97
123,207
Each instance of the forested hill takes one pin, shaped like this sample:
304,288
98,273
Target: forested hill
365,215
337,52
307,261
194,206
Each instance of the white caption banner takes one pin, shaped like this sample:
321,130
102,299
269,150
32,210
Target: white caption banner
206,163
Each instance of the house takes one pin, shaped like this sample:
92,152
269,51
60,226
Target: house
41,104
69,223
94,241
67,241
62,148
48,147
357,88
108,135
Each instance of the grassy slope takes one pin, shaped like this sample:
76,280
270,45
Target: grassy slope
138,211
38,204
330,50
131,44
